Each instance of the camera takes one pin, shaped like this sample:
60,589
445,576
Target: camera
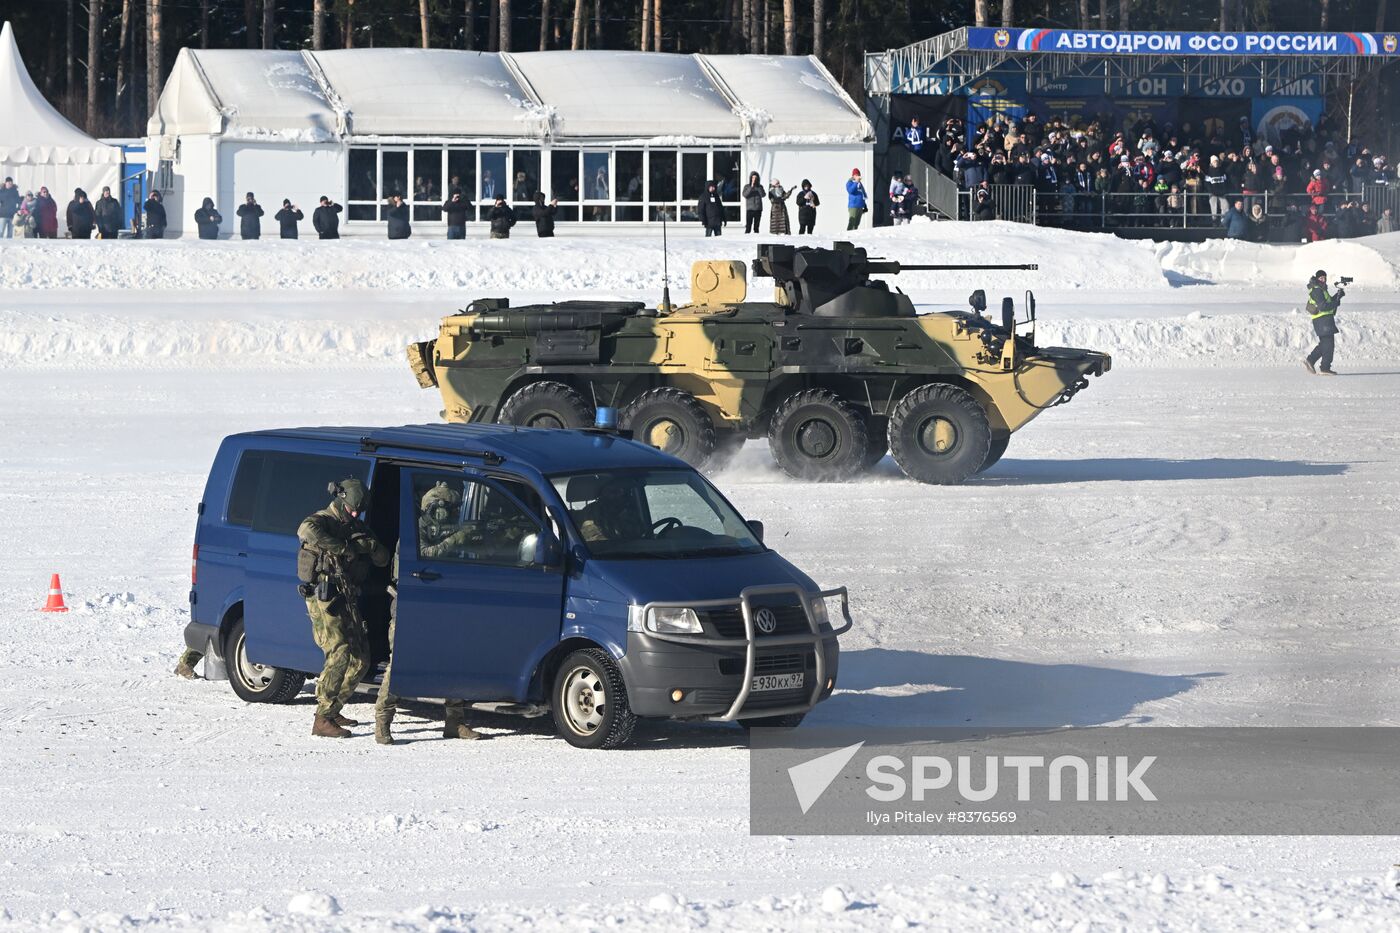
1344,281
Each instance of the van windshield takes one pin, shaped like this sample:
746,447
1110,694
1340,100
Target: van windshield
653,515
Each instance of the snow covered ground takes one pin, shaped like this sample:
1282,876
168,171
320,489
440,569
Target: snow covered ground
1207,536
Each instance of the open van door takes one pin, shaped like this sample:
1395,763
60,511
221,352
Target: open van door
480,589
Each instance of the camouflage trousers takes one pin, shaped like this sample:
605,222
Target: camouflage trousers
386,703
191,657
342,640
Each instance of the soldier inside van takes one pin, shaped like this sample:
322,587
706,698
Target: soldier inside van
613,515
439,536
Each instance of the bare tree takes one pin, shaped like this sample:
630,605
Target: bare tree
544,25
469,30
69,58
269,24
767,24
981,12
1008,12
577,42
204,24
318,24
644,39
1123,13
152,55
818,25
250,20
1084,14
598,24
656,25
349,24
1326,11
94,59
423,23
1380,20
789,27
504,15
123,50
1103,14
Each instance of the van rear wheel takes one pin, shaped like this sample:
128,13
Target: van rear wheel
590,701
257,683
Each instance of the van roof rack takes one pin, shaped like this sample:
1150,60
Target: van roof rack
369,445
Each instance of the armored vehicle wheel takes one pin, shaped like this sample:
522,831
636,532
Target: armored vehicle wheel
257,683
673,422
590,701
817,435
939,434
995,450
546,405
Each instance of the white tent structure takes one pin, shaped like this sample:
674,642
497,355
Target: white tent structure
621,139
37,145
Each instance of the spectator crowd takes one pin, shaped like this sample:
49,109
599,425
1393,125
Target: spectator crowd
1307,187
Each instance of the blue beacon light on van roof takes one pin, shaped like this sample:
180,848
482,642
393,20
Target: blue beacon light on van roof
606,418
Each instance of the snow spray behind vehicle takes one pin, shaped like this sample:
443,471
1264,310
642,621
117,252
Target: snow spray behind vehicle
836,370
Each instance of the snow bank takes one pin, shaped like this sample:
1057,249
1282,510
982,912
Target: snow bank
1373,261
609,264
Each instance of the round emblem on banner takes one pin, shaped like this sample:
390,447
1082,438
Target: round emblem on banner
1002,38
1390,44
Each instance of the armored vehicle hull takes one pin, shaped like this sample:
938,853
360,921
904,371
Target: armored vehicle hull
834,377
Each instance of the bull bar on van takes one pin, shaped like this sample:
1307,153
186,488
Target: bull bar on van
750,642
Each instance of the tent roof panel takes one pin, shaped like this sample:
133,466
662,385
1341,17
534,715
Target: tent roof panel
36,133
429,92
611,93
790,95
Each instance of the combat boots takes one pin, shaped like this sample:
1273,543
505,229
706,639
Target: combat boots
340,720
185,671
381,727
325,727
454,728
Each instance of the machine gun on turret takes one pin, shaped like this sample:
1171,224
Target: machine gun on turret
836,282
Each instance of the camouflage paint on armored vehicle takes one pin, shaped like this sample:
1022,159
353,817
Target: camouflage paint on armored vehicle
836,370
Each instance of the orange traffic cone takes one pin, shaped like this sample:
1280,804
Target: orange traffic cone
55,603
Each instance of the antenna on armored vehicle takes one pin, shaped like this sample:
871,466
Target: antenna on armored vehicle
665,268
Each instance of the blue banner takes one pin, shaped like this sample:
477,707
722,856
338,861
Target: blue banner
1181,43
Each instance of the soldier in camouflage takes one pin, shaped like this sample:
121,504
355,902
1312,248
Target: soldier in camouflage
337,550
188,659
437,537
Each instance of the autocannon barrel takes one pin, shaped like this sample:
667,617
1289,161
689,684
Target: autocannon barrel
892,267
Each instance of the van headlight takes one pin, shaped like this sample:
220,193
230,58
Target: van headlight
674,621
818,607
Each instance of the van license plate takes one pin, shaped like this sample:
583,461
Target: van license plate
776,682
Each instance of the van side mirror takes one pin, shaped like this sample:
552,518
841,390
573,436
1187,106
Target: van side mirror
978,301
540,549
756,528
1030,305
1008,314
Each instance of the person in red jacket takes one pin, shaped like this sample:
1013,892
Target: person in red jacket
1318,188
1315,225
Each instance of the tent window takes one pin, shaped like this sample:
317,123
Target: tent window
461,171
493,177
427,184
394,173
597,185
526,180
661,184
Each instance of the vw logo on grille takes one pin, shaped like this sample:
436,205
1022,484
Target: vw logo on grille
767,621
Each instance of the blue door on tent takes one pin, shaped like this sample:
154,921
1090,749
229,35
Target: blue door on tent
475,612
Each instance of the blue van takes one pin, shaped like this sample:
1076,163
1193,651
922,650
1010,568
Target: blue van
598,576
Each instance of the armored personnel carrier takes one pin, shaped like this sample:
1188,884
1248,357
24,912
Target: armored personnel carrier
835,370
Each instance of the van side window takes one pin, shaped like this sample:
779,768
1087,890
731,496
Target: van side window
294,486
470,522
243,496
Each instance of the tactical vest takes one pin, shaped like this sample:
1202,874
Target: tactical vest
1313,311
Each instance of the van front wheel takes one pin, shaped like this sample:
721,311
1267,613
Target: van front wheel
257,683
590,701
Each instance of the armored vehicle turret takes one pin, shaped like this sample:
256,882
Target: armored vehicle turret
836,370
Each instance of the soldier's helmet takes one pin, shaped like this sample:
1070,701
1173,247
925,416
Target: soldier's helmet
441,498
350,491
